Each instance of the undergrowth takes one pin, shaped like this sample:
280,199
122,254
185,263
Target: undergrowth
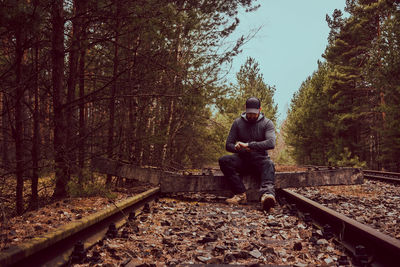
90,186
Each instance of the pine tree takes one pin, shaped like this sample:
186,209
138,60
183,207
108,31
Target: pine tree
350,96
359,92
250,82
382,73
307,129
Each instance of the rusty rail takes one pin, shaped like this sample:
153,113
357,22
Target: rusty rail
378,249
55,248
383,176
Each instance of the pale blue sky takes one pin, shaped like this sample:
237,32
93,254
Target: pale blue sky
291,41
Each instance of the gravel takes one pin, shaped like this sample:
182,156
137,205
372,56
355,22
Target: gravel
191,232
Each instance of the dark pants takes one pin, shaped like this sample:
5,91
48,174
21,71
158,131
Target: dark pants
256,164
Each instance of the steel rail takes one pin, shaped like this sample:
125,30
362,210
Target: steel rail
382,249
383,176
55,248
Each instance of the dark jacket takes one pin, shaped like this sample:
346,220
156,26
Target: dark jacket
260,135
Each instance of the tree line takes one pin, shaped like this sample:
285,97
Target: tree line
128,80
348,111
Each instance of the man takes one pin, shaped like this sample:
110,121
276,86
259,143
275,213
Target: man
250,137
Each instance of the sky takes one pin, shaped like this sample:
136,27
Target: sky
291,41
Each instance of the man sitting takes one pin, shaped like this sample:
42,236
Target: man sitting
250,137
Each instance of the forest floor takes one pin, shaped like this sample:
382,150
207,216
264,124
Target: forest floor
53,214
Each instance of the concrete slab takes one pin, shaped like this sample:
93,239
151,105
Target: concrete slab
173,182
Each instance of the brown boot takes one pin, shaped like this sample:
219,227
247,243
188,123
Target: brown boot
267,201
238,199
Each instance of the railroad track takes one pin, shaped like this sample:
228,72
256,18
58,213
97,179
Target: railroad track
383,176
368,246
59,247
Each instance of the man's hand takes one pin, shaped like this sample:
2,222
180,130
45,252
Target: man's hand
242,146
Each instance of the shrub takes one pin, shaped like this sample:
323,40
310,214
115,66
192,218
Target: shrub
90,186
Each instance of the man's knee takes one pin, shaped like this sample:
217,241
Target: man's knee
268,164
224,161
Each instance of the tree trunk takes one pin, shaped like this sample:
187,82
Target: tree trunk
60,161
5,124
69,111
36,140
18,134
177,86
82,125
131,129
146,147
168,133
75,53
110,143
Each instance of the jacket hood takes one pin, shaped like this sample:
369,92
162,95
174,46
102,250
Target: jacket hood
260,117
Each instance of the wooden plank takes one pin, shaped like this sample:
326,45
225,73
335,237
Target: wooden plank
172,182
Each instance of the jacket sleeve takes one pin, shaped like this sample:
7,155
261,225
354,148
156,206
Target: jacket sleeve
232,139
268,142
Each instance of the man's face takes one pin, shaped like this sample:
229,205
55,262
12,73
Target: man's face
252,117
